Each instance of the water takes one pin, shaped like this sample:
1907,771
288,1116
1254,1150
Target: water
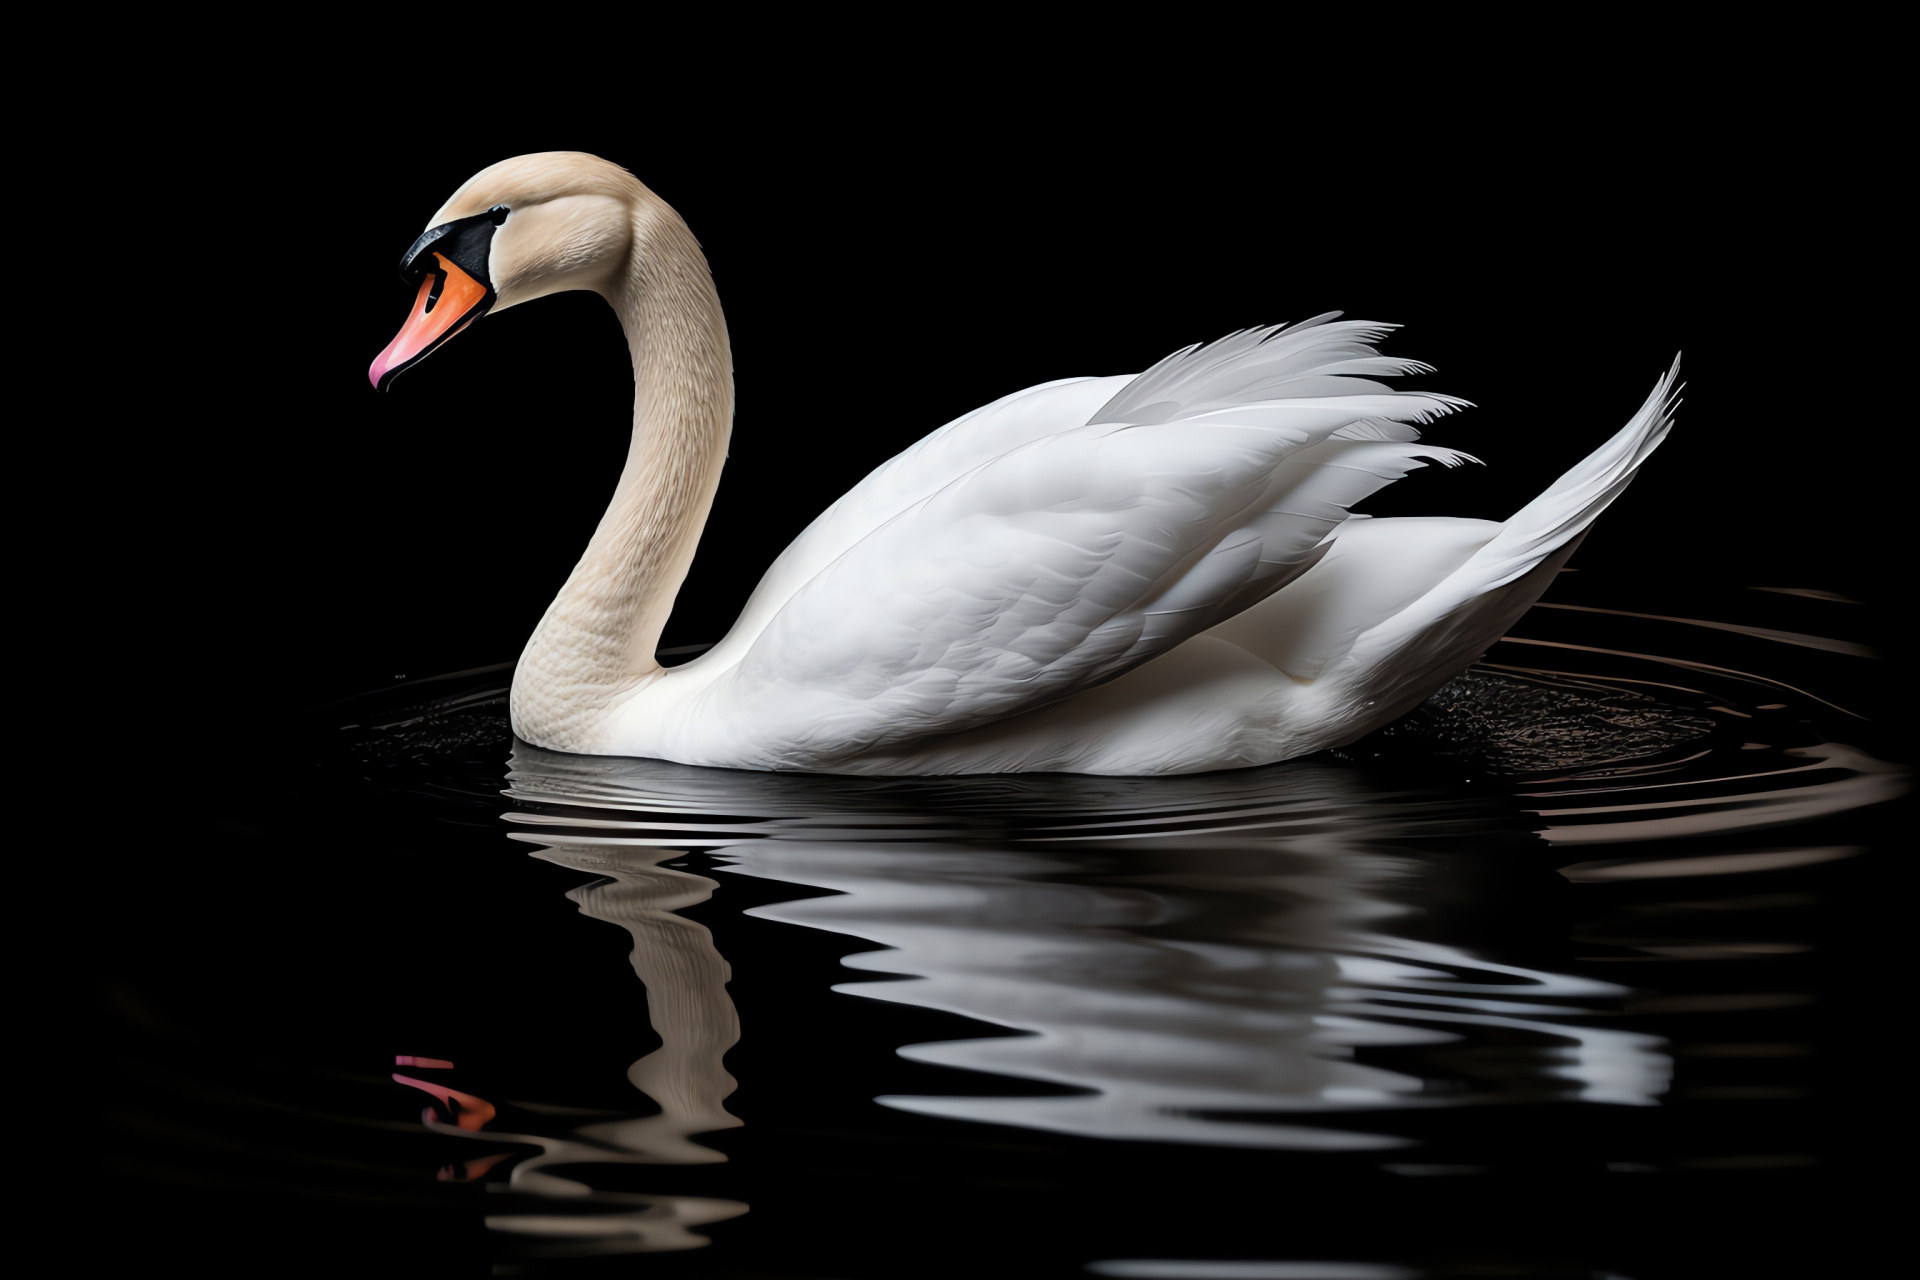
1556,978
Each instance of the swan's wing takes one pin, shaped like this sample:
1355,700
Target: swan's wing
910,476
1055,566
1324,356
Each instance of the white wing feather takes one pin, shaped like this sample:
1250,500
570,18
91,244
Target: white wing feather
909,477
1312,358
1064,561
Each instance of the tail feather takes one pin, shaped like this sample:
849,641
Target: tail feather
1563,511
1393,664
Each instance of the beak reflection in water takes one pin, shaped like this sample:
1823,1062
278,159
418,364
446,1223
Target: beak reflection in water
685,980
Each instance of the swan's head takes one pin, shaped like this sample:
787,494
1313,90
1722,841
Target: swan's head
520,229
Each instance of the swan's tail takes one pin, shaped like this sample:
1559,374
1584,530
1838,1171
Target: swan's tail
1398,606
1564,511
1437,635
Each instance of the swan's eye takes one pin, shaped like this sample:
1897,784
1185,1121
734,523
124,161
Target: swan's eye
498,214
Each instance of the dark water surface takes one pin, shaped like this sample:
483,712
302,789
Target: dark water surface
1565,975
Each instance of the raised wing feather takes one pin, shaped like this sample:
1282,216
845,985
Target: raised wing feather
1277,362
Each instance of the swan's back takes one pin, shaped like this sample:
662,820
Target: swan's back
1054,542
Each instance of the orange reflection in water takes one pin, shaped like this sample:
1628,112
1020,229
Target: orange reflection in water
467,1111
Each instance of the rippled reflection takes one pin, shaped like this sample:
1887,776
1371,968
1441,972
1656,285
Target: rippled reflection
1196,959
1285,958
685,980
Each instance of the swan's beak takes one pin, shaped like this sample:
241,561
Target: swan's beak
449,300
449,263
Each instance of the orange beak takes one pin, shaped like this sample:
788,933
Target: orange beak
449,300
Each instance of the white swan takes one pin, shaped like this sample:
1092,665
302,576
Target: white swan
1122,575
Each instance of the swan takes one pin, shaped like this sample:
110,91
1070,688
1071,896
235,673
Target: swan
1129,575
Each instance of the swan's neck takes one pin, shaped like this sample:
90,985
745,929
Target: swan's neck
596,643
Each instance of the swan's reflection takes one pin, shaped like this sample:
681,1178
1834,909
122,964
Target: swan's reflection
687,1002
1188,985
1198,958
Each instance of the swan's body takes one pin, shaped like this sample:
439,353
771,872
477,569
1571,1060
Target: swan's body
1123,575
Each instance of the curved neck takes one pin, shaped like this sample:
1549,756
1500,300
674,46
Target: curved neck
597,640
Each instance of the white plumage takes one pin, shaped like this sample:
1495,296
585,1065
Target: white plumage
1120,575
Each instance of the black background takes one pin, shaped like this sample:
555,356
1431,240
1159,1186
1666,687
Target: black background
891,256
